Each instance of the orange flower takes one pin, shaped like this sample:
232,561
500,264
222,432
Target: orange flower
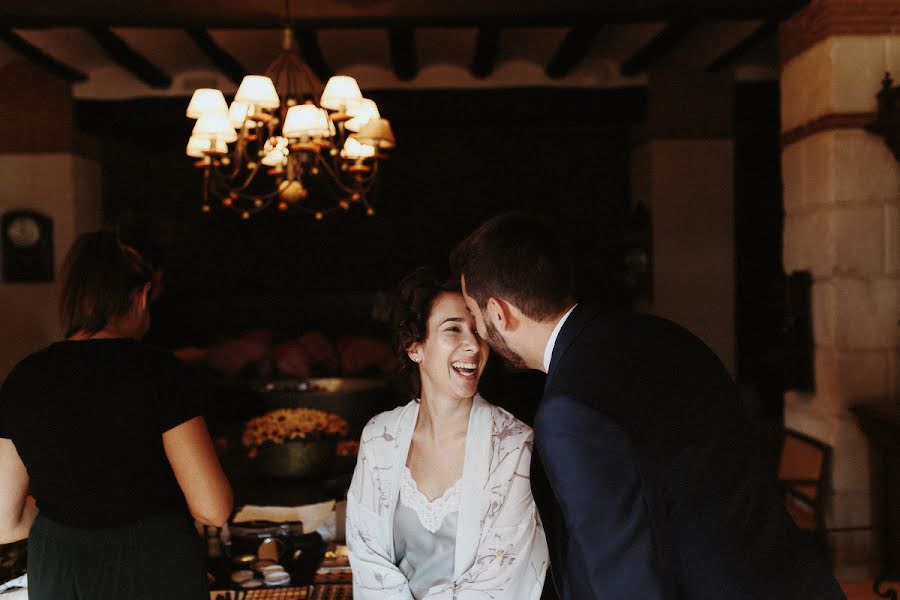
285,424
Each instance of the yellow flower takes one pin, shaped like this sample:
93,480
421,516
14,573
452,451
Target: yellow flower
281,424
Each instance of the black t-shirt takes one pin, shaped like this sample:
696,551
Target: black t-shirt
87,419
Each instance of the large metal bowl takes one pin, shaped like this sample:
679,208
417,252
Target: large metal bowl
297,458
355,399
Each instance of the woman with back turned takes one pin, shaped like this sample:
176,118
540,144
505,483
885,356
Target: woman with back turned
104,457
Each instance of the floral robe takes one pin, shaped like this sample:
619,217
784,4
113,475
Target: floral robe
501,551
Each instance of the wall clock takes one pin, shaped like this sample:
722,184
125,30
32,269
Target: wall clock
27,240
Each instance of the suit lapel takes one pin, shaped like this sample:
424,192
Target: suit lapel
578,319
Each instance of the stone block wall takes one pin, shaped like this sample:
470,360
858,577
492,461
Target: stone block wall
842,224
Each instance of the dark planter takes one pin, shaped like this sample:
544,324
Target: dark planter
297,459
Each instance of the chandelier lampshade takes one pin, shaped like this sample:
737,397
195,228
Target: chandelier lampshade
259,91
238,113
361,113
306,121
377,133
197,147
341,93
355,150
205,100
215,125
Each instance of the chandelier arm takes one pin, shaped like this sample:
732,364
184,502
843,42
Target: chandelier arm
245,156
230,173
253,197
219,187
369,180
336,177
364,184
240,152
225,179
206,184
264,197
329,170
247,159
249,179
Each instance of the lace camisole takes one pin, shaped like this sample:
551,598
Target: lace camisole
425,535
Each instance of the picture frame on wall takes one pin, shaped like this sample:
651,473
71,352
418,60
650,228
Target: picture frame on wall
27,243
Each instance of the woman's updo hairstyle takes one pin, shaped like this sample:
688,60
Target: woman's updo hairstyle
99,276
411,308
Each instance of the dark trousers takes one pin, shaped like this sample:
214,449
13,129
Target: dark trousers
156,558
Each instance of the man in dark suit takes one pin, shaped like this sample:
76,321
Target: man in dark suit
644,471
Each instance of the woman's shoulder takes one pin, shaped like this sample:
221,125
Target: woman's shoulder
387,421
507,424
36,364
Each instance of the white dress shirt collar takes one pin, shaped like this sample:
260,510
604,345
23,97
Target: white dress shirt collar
548,350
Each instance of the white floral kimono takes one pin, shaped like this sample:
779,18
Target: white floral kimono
501,551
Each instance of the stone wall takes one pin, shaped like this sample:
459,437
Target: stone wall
842,224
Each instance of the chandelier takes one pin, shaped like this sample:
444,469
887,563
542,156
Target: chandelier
281,125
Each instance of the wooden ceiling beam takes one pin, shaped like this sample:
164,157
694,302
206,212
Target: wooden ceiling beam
572,50
129,59
734,54
218,56
39,58
239,14
654,50
403,52
308,43
487,47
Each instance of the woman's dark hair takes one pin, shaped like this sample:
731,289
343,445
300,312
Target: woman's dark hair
521,259
100,275
413,301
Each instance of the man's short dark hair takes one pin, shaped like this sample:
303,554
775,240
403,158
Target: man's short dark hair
518,258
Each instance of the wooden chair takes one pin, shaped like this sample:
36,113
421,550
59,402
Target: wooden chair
803,477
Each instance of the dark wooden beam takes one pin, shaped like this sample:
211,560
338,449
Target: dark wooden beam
39,58
731,56
311,52
239,14
129,59
572,50
487,45
662,43
225,62
403,52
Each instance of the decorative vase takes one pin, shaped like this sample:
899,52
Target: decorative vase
297,459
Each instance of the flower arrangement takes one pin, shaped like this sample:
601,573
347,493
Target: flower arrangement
289,424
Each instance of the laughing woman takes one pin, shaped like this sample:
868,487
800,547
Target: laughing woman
440,505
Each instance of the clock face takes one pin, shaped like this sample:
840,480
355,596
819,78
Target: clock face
23,232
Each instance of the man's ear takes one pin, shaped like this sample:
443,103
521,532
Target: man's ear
501,314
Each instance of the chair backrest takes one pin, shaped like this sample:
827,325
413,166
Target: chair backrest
803,467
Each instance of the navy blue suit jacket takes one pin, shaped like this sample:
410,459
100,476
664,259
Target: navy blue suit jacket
645,478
